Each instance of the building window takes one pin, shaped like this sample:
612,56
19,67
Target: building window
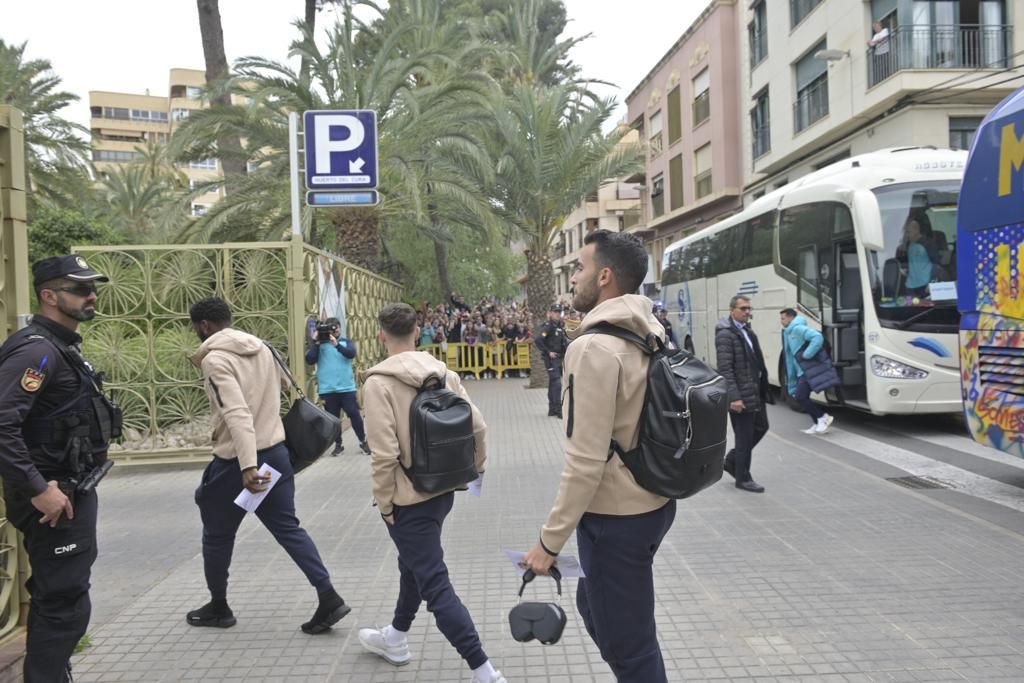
798,9
701,98
114,156
757,31
675,182
675,117
192,92
199,210
658,195
180,114
760,125
811,89
962,130
702,171
655,139
202,164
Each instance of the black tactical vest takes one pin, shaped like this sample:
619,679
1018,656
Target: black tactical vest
75,435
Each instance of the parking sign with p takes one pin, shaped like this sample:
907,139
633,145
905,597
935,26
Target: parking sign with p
341,149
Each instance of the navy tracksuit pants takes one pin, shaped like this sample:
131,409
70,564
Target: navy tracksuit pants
222,482
347,401
424,576
616,600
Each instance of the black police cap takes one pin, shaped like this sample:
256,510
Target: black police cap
71,266
555,308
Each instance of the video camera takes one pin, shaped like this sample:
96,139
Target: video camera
324,331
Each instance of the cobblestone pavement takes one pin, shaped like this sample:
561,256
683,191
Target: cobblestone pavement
834,574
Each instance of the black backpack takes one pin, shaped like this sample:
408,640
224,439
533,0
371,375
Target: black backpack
442,441
683,429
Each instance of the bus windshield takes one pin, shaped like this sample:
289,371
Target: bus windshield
914,276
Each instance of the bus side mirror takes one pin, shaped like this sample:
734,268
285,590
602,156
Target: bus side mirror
868,219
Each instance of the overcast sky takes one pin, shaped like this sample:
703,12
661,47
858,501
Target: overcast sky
130,45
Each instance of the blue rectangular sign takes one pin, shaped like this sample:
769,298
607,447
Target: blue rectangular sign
354,198
341,149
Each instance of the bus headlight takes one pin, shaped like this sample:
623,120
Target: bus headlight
891,369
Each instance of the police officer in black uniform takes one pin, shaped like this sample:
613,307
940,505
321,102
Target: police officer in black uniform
55,427
552,343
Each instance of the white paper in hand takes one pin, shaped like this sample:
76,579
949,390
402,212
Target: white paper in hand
249,501
476,485
568,565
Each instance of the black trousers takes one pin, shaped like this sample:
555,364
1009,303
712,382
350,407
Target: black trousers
62,559
424,576
222,482
347,401
749,429
616,600
803,397
554,368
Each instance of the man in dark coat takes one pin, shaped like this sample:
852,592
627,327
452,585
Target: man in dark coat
741,362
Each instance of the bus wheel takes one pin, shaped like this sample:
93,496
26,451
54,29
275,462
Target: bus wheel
688,344
784,396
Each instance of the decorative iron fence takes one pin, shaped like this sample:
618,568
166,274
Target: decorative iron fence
960,46
142,339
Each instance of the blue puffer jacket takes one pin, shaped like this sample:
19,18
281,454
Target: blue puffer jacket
813,362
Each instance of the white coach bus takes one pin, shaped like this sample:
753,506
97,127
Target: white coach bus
866,250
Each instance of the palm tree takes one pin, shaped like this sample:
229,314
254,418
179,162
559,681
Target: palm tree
140,206
229,146
55,148
551,152
423,112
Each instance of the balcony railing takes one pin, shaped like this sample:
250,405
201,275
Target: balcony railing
811,103
658,204
762,140
962,46
701,108
702,184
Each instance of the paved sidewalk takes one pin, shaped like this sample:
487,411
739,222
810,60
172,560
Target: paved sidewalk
832,575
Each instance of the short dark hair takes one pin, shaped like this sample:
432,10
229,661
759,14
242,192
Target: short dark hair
733,302
52,285
333,322
214,309
623,253
397,320
788,311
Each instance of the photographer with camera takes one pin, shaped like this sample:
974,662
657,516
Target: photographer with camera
333,355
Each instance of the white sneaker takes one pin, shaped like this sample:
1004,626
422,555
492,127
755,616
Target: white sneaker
813,429
373,640
823,424
495,678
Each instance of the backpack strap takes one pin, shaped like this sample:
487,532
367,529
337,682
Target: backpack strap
435,382
649,345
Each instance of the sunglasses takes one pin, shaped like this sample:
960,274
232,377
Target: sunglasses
78,290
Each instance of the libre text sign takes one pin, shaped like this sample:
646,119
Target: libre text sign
341,149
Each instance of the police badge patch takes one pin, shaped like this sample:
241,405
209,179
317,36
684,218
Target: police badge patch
32,380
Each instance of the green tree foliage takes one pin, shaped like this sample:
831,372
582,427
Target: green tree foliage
53,231
55,148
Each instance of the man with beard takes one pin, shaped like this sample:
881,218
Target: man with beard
55,428
243,383
619,525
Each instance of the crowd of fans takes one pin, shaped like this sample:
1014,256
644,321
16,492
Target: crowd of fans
491,320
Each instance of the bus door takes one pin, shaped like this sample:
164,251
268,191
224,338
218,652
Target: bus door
817,297
711,297
846,332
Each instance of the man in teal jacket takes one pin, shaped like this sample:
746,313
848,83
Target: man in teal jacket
336,381
807,373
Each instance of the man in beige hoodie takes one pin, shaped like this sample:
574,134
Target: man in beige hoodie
243,383
414,519
619,525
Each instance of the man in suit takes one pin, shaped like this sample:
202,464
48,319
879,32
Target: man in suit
741,363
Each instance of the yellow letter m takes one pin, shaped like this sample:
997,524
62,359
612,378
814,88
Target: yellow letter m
1011,158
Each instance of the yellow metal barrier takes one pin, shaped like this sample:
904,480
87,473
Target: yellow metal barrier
496,357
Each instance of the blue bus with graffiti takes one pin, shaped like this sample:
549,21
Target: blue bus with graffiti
990,238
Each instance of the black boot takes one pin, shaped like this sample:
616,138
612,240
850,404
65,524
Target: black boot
329,612
215,613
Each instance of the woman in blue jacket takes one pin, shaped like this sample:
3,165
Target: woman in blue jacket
808,367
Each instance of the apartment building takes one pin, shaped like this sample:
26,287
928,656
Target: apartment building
823,84
613,206
687,109
123,125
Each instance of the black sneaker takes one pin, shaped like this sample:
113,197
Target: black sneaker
212,615
331,610
364,447
338,449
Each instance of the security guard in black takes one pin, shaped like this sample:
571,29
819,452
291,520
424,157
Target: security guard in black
55,428
552,344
